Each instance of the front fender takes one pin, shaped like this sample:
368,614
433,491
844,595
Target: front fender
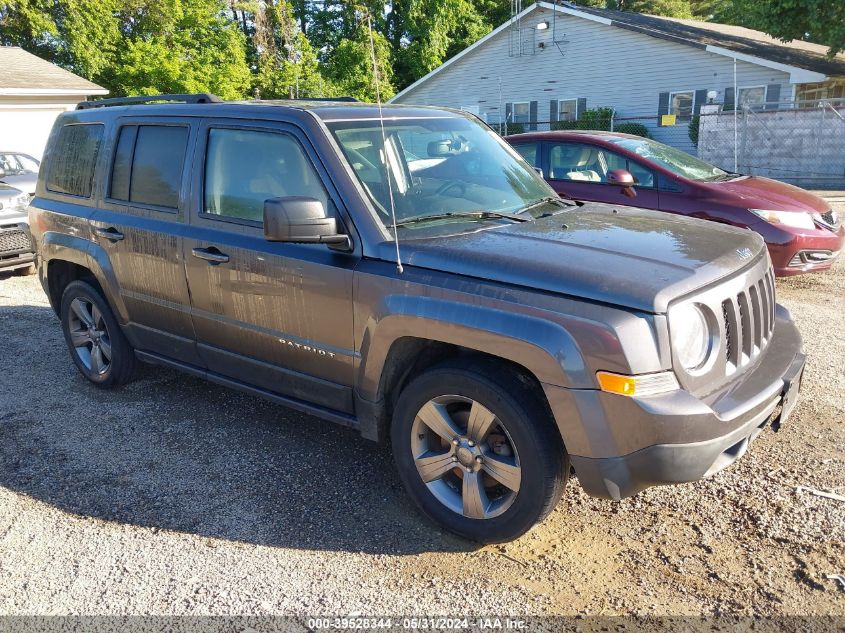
544,348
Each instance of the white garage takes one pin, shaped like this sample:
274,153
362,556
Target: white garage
33,92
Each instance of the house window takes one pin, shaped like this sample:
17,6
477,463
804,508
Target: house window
567,110
752,97
681,104
521,112
808,95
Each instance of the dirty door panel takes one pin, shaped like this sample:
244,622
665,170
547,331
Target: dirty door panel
274,315
140,224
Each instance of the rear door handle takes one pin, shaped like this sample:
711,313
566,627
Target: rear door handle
111,234
211,255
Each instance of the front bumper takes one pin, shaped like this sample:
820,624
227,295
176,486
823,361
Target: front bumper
620,445
797,253
15,246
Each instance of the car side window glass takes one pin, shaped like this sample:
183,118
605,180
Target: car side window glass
148,164
644,177
73,158
574,161
243,168
529,152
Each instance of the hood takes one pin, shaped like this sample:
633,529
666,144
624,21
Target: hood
619,255
773,195
24,182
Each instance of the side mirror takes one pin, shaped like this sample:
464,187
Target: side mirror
622,178
299,219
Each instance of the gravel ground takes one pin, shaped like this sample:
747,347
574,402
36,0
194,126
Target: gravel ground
174,496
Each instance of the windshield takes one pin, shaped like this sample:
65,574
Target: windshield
17,164
438,167
675,160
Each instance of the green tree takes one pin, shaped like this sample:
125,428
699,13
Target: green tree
820,21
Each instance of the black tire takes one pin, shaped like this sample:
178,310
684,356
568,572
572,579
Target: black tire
27,270
121,361
519,410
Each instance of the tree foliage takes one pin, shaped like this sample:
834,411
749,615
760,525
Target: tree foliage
317,48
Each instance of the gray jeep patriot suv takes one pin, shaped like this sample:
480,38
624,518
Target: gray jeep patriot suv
258,245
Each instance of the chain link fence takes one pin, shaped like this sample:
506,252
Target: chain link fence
798,142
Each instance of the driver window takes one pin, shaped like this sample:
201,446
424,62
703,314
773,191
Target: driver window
244,168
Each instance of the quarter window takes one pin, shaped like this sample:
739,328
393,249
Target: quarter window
681,104
72,160
148,164
246,167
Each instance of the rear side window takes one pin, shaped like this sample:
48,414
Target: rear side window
72,160
148,164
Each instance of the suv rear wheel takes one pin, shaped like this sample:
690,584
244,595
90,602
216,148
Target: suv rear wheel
97,345
478,452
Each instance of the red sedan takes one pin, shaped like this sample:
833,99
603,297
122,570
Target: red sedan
802,232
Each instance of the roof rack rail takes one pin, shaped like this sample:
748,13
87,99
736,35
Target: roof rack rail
200,97
343,99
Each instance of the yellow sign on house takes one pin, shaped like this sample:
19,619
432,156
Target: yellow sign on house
668,119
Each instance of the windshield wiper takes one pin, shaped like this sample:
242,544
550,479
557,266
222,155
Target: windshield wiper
472,215
547,200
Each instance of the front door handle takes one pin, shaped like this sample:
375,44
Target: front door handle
111,234
211,255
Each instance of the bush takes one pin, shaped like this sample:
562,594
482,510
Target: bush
692,130
564,125
595,119
515,128
637,129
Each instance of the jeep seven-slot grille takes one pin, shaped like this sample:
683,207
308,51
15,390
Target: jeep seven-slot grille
749,320
14,242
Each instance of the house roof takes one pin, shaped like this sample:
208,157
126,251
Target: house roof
24,74
804,61
738,39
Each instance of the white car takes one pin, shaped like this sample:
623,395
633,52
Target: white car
15,239
19,171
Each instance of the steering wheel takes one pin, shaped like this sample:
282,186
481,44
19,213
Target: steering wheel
450,184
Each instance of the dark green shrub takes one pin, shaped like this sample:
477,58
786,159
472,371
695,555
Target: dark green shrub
564,125
637,129
692,130
515,128
595,119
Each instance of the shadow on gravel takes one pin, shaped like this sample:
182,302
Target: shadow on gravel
173,452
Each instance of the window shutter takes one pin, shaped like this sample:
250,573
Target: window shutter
772,96
662,106
532,115
580,107
700,100
729,99
553,110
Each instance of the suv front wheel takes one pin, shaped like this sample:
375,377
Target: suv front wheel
478,452
97,345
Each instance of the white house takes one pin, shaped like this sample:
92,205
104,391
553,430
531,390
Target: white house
33,92
551,62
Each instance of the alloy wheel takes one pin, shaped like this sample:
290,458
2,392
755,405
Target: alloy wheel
465,456
89,336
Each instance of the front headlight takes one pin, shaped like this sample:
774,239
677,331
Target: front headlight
691,336
798,219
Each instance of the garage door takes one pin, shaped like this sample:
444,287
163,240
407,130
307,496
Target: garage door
25,129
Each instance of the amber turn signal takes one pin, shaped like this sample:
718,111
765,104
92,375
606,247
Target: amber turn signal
641,385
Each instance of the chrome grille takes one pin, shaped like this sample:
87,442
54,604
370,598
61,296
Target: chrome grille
749,319
14,241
